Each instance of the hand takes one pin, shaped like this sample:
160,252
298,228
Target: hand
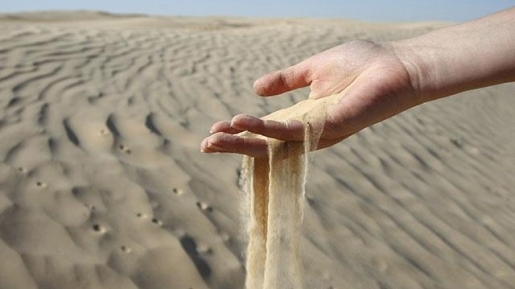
370,80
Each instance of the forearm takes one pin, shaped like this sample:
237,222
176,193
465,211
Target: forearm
461,57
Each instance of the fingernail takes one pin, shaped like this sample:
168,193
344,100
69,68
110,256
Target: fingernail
239,117
210,146
203,145
243,119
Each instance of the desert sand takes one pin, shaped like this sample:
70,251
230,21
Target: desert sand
102,184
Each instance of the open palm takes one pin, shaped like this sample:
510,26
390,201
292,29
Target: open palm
372,81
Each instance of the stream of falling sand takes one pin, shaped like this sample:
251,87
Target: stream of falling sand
276,214
275,187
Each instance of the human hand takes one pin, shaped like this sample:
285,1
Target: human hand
370,81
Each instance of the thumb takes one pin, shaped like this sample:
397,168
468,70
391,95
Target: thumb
284,80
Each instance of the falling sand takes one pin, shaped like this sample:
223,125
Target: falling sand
275,185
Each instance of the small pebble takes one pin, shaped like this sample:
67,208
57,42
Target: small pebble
204,206
124,149
41,184
125,249
157,222
98,228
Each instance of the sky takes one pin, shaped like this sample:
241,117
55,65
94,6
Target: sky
368,10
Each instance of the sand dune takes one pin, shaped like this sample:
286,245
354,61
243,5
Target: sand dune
102,184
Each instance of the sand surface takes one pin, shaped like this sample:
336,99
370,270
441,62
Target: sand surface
102,184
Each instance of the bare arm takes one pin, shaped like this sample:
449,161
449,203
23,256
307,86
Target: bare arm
378,80
461,57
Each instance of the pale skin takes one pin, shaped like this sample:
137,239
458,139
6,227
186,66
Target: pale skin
378,81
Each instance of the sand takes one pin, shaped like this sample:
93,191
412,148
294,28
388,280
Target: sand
102,184
275,185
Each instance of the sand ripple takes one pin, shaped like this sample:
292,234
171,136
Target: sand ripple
102,184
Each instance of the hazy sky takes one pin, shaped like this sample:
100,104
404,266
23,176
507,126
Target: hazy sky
377,10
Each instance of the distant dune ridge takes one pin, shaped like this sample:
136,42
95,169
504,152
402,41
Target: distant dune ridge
102,184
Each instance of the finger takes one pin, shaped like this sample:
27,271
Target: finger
291,130
284,80
228,143
223,126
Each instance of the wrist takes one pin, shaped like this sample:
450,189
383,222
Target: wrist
460,57
439,67
422,67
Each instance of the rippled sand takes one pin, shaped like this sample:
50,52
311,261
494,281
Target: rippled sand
102,184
